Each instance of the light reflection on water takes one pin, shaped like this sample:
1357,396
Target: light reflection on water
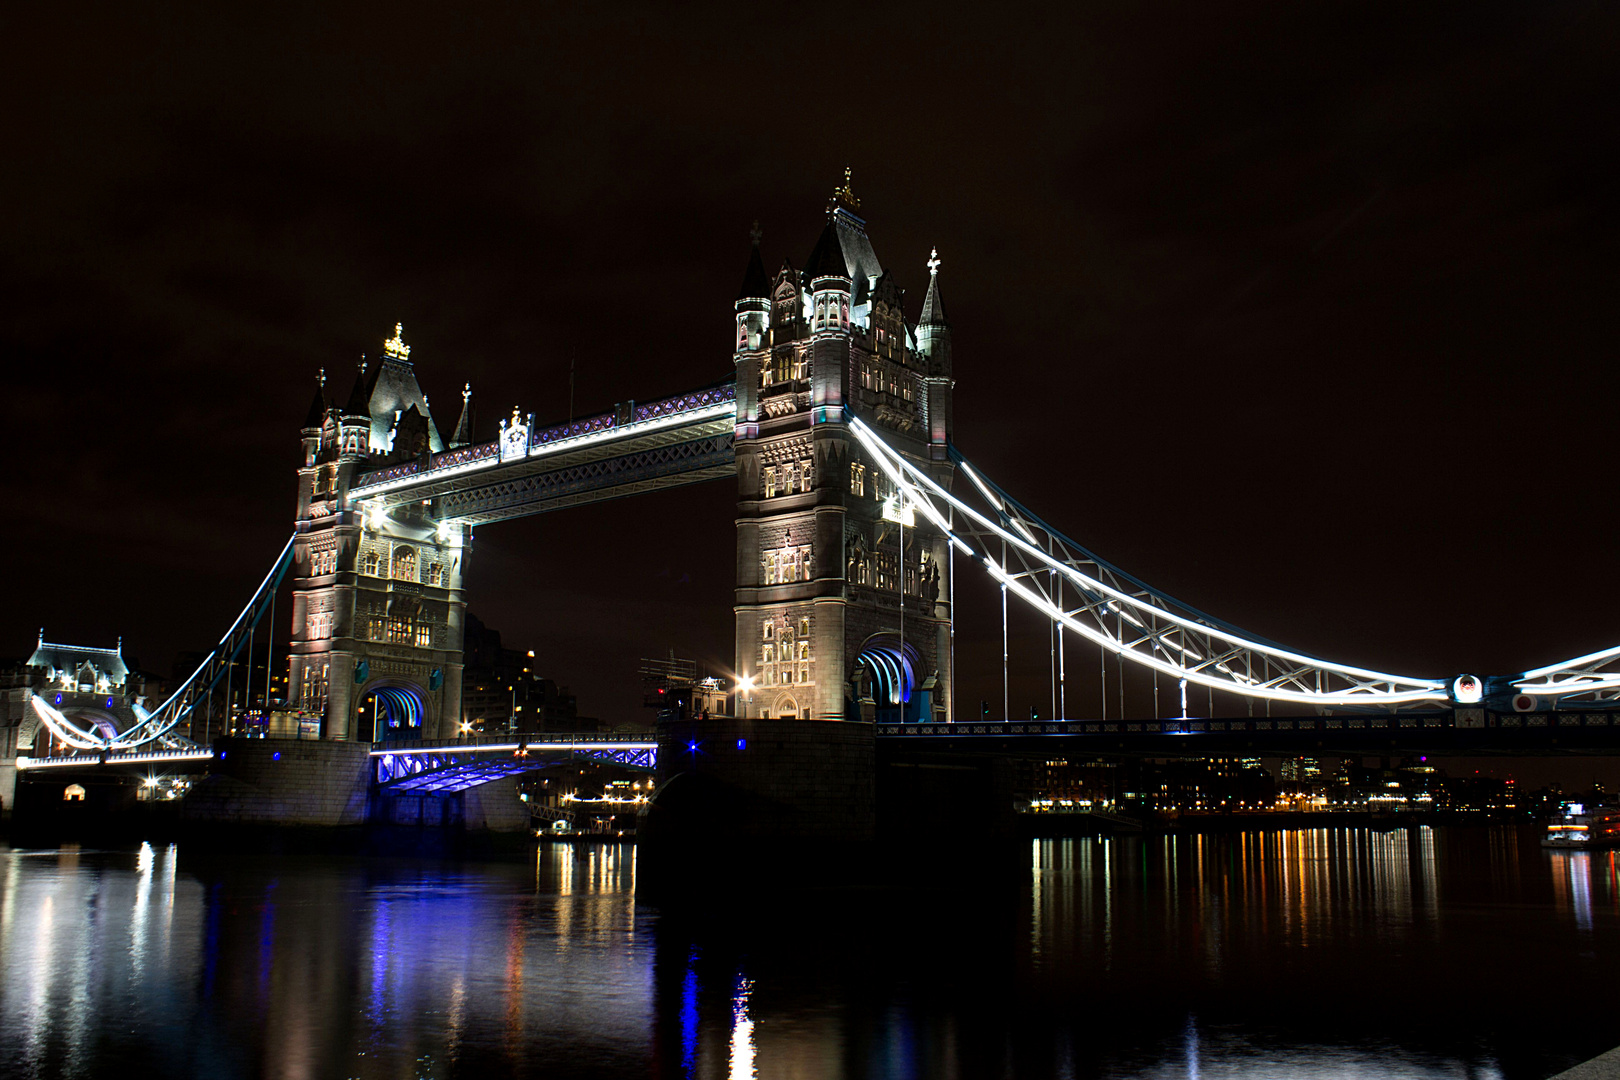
1292,954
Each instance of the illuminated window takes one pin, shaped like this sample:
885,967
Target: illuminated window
73,793
790,476
804,476
804,650
369,564
857,478
767,631
770,481
424,636
804,673
767,655
436,574
804,628
770,568
404,564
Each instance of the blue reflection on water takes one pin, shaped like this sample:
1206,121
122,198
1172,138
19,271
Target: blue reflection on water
1139,958
689,1015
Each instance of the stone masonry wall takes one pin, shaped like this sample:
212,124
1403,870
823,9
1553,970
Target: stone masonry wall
777,779
282,782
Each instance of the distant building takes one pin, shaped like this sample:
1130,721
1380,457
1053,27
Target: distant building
502,691
673,687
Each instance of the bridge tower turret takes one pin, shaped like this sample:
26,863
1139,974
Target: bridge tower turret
842,604
376,641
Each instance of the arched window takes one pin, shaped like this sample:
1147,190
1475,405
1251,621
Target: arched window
405,564
804,628
73,793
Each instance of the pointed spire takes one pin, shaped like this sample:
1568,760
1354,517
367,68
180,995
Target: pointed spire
933,309
317,407
463,434
359,401
827,260
756,284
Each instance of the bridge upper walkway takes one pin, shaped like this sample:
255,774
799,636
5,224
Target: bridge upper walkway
632,448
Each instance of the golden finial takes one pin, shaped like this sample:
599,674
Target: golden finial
845,195
933,262
395,346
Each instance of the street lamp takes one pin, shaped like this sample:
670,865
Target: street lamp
745,687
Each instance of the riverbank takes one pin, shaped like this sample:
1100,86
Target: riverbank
1057,826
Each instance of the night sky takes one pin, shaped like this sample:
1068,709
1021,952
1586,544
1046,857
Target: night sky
1302,312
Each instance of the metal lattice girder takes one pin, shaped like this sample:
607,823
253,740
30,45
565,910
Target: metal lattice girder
1113,610
444,769
707,458
1593,677
631,432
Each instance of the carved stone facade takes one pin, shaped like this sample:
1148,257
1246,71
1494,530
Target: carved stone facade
842,610
377,596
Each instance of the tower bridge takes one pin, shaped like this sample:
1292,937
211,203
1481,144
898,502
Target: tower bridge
835,421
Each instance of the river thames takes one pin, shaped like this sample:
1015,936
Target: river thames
1309,953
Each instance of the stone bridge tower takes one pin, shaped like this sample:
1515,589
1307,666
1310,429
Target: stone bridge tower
843,596
376,645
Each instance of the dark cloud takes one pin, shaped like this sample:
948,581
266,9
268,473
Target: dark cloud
1300,311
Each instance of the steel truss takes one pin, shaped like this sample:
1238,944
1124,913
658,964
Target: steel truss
706,458
1594,678
1120,614
447,770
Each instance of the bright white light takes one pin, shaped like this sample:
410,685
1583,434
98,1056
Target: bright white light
894,511
1468,689
710,412
745,684
895,466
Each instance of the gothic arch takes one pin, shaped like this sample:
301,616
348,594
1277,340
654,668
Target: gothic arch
402,709
785,705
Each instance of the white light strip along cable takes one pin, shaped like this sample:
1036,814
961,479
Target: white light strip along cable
1579,675
160,721
1258,656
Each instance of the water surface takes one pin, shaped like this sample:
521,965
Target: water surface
1309,953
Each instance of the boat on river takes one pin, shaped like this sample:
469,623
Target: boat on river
1580,827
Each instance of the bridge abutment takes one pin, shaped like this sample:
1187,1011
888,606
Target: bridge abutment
289,782
727,779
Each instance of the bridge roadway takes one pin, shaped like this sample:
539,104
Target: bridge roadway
1470,732
444,767
193,760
